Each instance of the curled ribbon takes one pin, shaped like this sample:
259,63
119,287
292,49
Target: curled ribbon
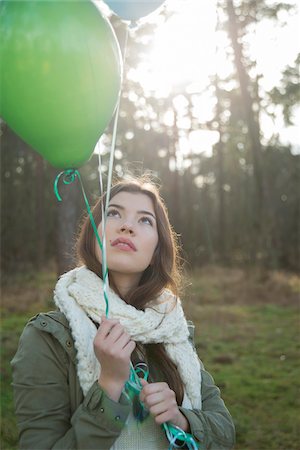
179,438
176,436
133,385
69,176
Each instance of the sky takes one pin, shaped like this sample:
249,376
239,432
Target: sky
191,31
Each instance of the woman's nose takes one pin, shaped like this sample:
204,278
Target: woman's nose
126,228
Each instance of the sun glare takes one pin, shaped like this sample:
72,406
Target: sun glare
187,52
181,60
183,51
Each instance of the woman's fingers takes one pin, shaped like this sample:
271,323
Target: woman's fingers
110,332
160,408
153,399
116,332
159,399
122,340
113,347
106,327
113,339
152,388
128,349
164,397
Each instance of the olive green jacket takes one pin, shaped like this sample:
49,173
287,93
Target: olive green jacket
52,412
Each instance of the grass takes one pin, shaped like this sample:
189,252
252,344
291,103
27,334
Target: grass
248,338
247,335
23,296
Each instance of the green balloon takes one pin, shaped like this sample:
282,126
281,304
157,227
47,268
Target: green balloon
61,70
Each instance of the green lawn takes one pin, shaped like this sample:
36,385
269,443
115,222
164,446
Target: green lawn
247,335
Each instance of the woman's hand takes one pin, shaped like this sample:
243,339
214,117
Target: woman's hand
113,347
161,402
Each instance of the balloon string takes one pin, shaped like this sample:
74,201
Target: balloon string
133,386
68,177
179,438
103,214
104,211
114,137
109,182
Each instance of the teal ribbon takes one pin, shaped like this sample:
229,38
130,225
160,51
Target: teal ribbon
133,388
133,385
176,436
179,438
68,177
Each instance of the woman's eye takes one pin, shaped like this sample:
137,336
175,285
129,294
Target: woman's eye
146,220
113,213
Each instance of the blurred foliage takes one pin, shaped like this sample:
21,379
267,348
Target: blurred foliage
288,93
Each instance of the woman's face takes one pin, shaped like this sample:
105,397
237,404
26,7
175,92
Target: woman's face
131,235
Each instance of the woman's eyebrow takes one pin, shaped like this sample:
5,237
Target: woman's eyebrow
114,205
147,212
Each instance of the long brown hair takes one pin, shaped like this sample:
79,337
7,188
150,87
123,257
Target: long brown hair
163,273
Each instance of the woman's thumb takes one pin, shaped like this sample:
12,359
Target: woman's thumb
143,382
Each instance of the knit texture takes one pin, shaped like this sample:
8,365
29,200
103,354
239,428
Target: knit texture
142,436
79,294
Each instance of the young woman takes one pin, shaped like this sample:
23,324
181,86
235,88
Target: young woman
72,365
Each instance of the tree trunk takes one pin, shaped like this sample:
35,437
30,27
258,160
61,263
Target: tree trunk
67,218
220,182
40,211
253,130
175,182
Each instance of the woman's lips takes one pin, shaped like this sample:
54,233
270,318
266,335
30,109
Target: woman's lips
124,244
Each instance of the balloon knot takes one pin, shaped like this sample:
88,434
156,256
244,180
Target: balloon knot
69,176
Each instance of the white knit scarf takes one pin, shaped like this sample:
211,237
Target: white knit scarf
79,294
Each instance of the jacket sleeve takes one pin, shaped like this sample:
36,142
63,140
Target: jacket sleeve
42,401
212,426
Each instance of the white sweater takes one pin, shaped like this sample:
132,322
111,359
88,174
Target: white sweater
144,436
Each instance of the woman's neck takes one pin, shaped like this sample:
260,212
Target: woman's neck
124,282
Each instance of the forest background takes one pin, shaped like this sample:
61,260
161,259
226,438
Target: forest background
232,190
